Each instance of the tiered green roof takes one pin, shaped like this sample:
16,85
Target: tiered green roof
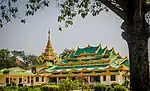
89,59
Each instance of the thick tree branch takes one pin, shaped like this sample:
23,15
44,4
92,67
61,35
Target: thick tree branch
122,3
117,11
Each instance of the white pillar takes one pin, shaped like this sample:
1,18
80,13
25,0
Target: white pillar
89,79
34,80
30,80
108,80
101,79
57,80
9,78
22,80
18,80
45,79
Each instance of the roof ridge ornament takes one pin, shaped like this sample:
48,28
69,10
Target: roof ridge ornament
99,47
88,46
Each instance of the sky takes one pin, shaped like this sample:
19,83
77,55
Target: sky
31,37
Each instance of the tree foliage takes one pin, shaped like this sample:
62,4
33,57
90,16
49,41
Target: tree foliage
68,84
65,52
9,9
68,8
8,58
28,58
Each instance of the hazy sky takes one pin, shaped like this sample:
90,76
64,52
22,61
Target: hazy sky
32,36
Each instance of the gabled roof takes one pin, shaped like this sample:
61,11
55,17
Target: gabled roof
123,67
88,49
15,71
81,61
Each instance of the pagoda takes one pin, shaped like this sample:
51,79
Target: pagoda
93,64
47,59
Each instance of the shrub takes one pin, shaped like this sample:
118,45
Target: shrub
100,87
25,88
118,88
5,71
2,89
68,84
49,88
44,88
86,87
11,88
114,84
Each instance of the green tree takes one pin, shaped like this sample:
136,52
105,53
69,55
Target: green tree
65,53
19,53
6,60
28,58
68,85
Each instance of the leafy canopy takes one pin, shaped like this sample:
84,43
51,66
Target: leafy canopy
69,9
8,58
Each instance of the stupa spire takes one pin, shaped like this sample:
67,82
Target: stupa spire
49,35
49,52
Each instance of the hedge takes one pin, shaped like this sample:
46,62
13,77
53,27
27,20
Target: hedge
86,87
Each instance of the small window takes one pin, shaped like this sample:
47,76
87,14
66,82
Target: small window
113,78
20,80
42,79
104,78
28,79
7,80
37,79
92,79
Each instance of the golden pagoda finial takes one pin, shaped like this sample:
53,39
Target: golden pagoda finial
49,53
49,35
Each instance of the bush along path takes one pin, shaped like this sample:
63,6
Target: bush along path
67,85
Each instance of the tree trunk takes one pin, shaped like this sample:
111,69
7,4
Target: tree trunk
136,34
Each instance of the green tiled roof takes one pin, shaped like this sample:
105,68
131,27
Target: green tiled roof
16,71
86,49
100,52
110,57
39,64
90,62
107,52
126,63
90,67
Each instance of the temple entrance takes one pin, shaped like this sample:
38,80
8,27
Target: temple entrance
94,78
53,80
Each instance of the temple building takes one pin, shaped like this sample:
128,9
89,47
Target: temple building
15,75
93,64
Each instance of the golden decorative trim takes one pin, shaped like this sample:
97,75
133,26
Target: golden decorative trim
107,72
110,68
123,67
81,75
